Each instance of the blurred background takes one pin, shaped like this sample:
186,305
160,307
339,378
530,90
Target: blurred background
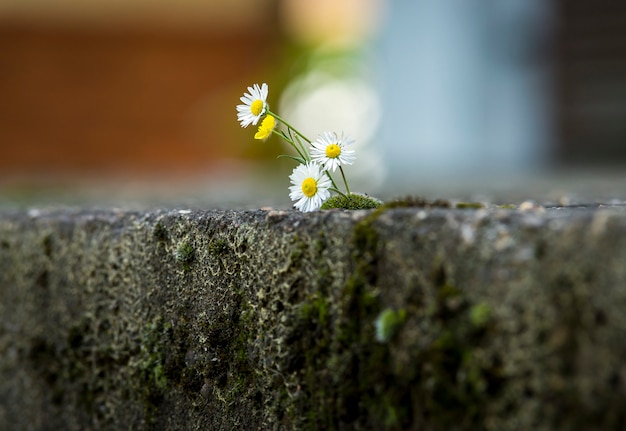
134,100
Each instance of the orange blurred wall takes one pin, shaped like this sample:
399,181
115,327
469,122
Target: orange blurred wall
85,94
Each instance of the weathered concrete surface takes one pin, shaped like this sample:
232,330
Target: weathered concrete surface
496,319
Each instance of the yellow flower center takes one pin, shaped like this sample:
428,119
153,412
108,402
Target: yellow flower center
333,151
256,107
309,187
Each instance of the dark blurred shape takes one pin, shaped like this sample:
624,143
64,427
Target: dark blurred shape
591,82
106,95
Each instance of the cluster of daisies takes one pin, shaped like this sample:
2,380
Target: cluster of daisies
312,181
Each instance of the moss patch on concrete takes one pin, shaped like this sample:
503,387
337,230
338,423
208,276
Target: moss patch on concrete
352,201
490,318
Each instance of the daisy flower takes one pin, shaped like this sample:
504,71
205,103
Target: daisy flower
310,187
266,128
254,107
331,151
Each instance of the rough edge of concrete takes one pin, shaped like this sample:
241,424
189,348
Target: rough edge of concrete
415,318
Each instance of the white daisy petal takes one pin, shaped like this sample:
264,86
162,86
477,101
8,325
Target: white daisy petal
254,105
310,187
332,151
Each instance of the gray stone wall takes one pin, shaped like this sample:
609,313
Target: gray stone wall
400,318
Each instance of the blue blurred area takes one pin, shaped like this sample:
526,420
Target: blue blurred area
466,87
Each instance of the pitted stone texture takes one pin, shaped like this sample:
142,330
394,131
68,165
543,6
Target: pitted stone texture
226,320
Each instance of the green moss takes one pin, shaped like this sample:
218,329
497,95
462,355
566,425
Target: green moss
419,202
159,232
351,202
218,247
448,291
152,351
150,366
416,202
387,324
71,367
354,382
469,205
315,310
185,255
319,245
228,371
446,378
480,315
365,241
338,337
462,382
299,251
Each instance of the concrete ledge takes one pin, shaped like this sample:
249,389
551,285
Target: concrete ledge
406,318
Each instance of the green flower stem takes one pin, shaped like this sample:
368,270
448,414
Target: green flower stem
303,149
331,179
297,159
344,180
334,188
290,126
282,135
